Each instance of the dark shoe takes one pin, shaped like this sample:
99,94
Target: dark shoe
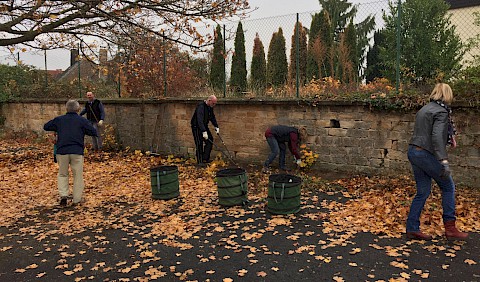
452,233
201,165
419,236
265,170
207,161
63,202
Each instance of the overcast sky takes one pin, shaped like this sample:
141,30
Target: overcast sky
60,59
271,8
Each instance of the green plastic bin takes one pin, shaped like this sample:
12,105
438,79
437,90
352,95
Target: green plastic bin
232,187
284,191
164,180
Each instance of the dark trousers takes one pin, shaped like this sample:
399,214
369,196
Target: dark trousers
203,147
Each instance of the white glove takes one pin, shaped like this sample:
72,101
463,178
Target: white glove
100,122
205,135
217,130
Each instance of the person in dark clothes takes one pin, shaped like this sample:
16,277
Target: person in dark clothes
427,153
95,114
71,130
201,133
278,137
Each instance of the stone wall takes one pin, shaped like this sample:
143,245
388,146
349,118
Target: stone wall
348,137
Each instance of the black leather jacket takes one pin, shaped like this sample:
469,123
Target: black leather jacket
431,130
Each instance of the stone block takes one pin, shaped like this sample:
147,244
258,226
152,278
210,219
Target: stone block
357,133
377,163
337,132
347,124
397,155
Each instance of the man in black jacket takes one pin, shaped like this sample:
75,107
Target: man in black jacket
201,134
95,114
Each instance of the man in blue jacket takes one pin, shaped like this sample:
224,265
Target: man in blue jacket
71,130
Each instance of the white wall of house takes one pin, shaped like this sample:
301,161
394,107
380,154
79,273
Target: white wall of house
464,20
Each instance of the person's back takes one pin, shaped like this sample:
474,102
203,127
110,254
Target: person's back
71,131
423,129
282,132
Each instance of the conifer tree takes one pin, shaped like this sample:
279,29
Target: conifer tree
312,67
347,56
217,66
302,54
258,69
238,75
277,65
374,63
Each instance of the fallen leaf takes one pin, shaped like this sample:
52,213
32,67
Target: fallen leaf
470,262
261,274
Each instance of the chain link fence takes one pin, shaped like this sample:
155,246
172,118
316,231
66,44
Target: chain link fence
166,70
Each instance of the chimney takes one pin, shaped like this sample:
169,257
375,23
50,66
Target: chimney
103,56
73,56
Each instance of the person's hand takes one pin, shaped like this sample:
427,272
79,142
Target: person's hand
205,135
299,162
217,130
100,122
445,172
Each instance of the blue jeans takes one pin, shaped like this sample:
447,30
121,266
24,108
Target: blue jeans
425,168
275,148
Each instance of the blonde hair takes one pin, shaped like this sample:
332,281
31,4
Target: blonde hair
302,133
442,92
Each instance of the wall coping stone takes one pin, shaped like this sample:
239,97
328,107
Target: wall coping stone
221,101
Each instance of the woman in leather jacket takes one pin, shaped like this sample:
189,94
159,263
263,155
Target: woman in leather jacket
427,153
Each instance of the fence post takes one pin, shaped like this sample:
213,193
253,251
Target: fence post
164,67
46,69
297,59
224,64
79,65
119,80
399,15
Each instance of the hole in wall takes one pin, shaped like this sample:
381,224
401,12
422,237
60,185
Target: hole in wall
334,123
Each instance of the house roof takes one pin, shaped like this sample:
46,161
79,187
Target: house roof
457,4
55,73
88,70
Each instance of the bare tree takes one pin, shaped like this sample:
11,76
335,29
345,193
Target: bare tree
53,24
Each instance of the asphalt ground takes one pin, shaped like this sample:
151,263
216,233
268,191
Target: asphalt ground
237,243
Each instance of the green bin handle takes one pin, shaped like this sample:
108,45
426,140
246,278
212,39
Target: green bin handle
281,194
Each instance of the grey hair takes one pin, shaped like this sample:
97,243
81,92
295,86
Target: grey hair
72,106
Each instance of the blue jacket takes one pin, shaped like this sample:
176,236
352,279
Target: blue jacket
71,130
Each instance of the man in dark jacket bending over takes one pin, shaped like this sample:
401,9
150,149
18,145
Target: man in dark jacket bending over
278,137
201,134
